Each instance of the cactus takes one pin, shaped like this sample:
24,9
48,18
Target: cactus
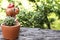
9,21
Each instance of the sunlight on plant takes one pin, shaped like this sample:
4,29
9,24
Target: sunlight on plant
26,5
56,25
52,15
2,16
4,4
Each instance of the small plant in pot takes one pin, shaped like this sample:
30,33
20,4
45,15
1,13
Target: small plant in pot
10,28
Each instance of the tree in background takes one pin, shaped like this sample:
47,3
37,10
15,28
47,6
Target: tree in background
36,16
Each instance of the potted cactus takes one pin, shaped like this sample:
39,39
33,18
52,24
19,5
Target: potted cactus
10,28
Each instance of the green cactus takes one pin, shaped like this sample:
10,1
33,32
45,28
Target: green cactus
9,21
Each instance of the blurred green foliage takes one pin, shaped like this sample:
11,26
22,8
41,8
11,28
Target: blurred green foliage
44,13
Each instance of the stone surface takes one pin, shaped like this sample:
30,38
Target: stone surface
37,34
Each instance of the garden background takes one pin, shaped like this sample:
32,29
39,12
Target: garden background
43,14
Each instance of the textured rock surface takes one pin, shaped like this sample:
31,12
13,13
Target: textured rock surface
37,34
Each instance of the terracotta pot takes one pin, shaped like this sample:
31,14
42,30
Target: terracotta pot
10,32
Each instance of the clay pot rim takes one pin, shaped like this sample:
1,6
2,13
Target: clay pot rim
17,24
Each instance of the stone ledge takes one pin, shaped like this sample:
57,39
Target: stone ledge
37,34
